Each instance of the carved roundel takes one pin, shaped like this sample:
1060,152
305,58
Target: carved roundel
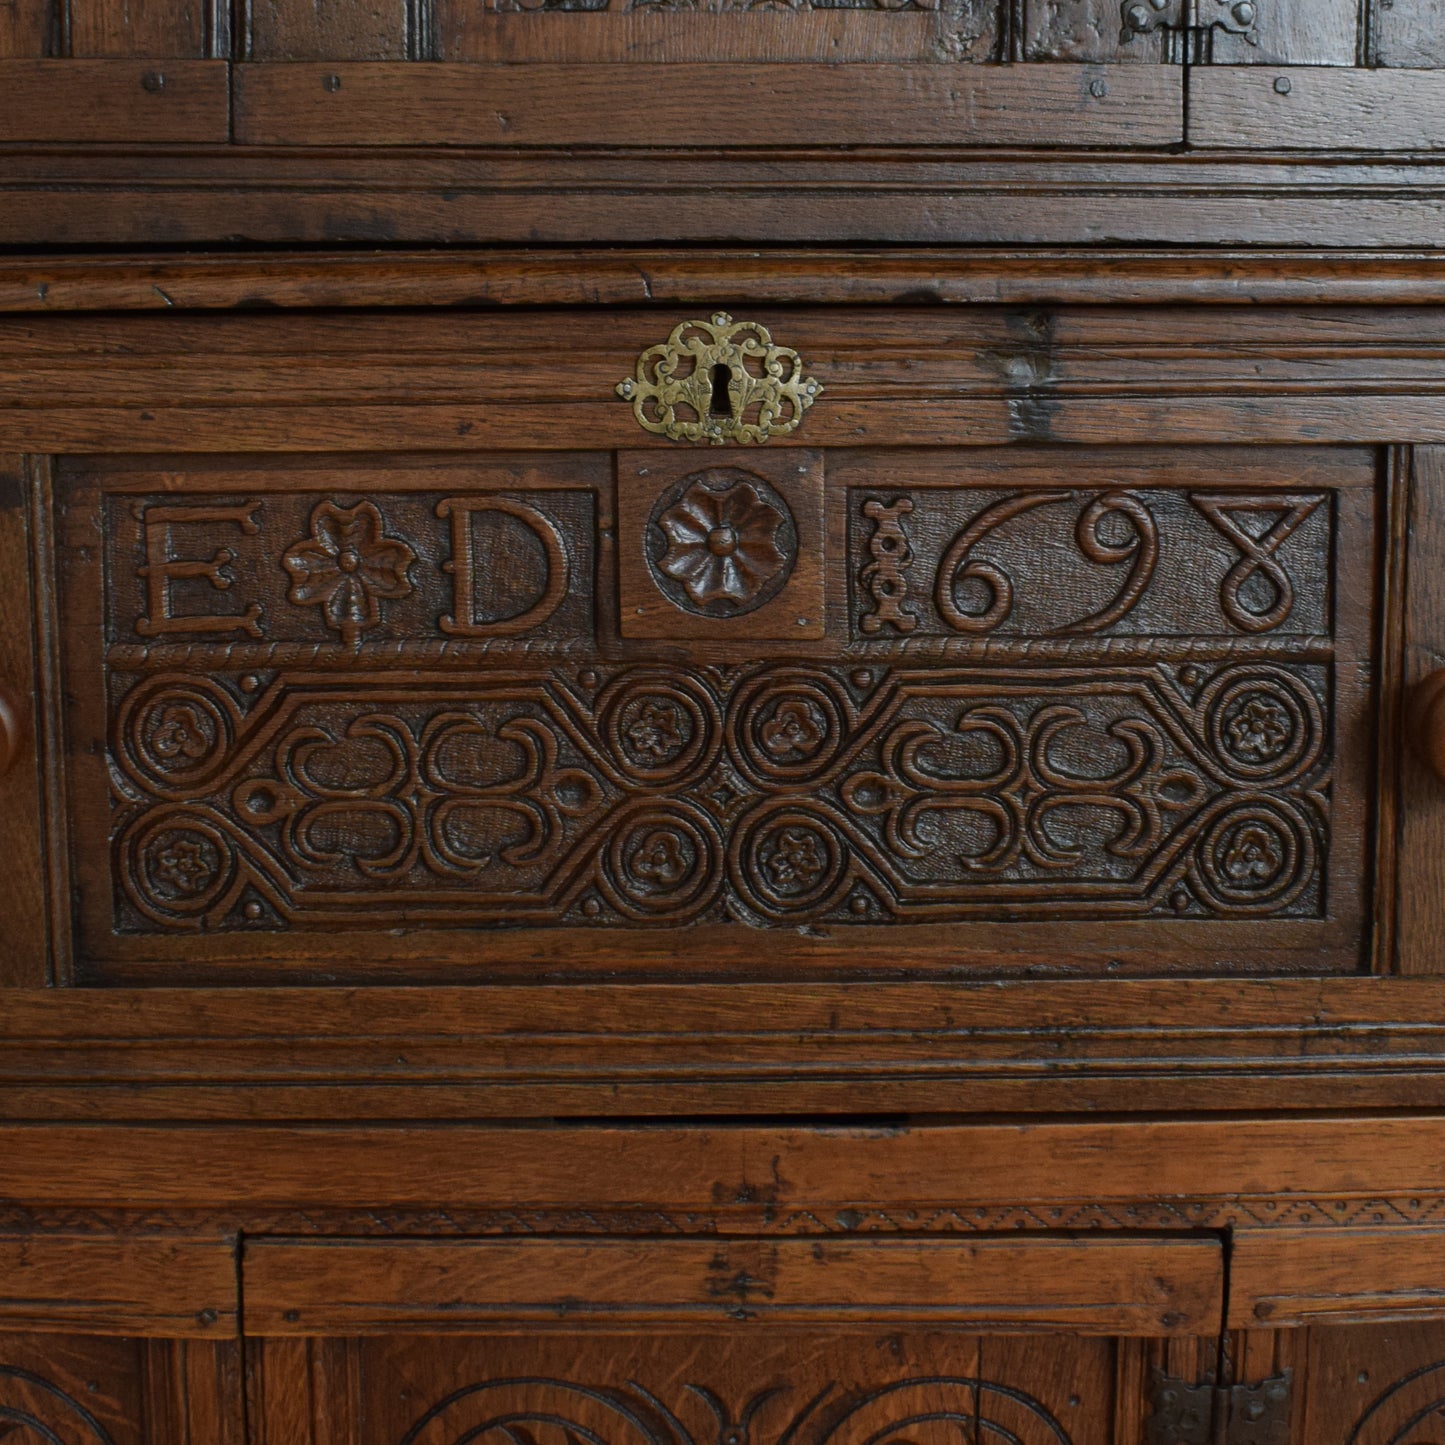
1256,856
175,732
721,543
176,865
1263,724
663,863
660,728
790,859
788,727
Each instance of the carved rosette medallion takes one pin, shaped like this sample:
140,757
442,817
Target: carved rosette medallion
721,543
719,381
347,567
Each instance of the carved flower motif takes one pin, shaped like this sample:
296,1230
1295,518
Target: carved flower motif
1259,728
184,864
661,859
181,733
655,731
722,546
795,727
797,860
347,566
1253,856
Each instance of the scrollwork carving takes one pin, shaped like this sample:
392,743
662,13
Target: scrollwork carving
541,1411
772,795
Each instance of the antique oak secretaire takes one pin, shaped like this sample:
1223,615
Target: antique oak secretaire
723,723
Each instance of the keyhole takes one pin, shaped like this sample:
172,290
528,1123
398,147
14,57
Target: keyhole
721,378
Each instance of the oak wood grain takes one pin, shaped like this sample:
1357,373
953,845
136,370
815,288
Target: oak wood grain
174,1288
1420,894
117,101
1133,1286
24,961
1356,1276
1323,108
676,1167
601,104
471,277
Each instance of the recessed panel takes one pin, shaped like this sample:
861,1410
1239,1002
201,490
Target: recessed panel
884,710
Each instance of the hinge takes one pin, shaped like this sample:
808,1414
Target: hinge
1210,1414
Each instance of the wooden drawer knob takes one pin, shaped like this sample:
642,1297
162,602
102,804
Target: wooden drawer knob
1425,720
12,730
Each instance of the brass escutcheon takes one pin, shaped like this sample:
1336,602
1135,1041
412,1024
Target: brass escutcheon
719,381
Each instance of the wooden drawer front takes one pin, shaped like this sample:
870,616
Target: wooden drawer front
1131,1285
922,706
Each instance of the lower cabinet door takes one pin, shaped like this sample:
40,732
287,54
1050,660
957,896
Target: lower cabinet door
1051,1340
72,1389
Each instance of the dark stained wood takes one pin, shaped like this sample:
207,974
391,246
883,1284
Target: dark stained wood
705,278
655,827
24,960
615,104
1129,1286
145,29
650,35
1408,33
1086,375
175,1288
298,30
1285,32
338,196
1317,109
1420,894
117,101
97,1390
26,29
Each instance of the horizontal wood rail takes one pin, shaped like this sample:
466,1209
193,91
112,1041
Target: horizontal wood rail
1126,1285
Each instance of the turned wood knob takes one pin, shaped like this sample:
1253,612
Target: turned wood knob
1426,721
12,730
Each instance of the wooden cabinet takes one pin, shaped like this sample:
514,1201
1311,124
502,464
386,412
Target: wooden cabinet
722,724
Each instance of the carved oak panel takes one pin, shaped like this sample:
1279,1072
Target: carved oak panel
710,1390
1017,698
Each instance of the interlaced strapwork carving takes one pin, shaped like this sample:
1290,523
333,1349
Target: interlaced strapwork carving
772,796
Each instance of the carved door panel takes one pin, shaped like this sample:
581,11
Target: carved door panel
61,1389
1372,1384
569,710
691,1390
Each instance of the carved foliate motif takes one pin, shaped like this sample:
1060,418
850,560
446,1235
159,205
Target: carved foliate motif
719,381
728,542
539,1411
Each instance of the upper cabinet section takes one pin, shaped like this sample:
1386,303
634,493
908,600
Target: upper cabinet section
761,121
